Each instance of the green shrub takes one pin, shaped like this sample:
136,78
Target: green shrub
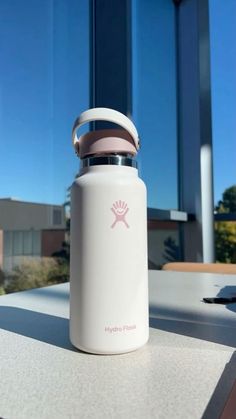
2,279
35,274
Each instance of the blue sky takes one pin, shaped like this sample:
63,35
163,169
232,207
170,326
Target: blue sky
44,85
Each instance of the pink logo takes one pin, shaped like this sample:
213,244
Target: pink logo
120,210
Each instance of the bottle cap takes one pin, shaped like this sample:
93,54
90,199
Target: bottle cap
123,140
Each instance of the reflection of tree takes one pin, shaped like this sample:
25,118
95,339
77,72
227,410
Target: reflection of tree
35,274
64,253
225,232
225,239
154,266
228,202
2,278
172,251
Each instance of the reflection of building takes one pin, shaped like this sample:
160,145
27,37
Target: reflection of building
29,231
163,243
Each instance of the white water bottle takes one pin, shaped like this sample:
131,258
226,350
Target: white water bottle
108,239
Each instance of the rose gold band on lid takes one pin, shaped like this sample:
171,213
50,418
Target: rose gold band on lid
105,142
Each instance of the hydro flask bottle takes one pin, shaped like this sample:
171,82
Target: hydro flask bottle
108,240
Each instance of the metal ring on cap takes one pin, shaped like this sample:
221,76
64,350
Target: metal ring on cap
105,114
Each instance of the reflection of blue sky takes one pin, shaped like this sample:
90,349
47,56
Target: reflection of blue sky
154,98
44,79
43,87
223,71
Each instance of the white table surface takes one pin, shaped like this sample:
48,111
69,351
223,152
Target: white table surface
185,371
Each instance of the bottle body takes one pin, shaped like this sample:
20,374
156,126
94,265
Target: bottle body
108,267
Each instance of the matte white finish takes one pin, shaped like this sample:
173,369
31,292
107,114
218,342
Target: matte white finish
105,114
109,285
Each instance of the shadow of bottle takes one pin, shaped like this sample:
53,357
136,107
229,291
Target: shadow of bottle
46,328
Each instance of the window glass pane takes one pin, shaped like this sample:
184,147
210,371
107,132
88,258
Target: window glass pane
57,217
44,86
154,98
27,242
163,243
223,80
7,243
17,243
36,243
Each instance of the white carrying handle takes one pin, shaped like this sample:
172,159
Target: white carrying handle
109,115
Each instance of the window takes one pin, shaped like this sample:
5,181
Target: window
18,243
27,242
36,239
57,217
223,81
44,79
154,98
223,69
155,116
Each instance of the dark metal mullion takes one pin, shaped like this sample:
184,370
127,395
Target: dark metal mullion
92,64
110,56
179,145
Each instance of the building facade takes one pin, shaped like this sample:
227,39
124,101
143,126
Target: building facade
29,231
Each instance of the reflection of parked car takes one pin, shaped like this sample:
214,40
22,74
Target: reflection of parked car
29,231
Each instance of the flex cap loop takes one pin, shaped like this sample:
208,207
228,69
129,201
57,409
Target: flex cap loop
105,114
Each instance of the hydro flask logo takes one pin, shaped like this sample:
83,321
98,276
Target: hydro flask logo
120,210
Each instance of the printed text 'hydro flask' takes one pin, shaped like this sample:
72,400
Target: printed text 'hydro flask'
108,260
